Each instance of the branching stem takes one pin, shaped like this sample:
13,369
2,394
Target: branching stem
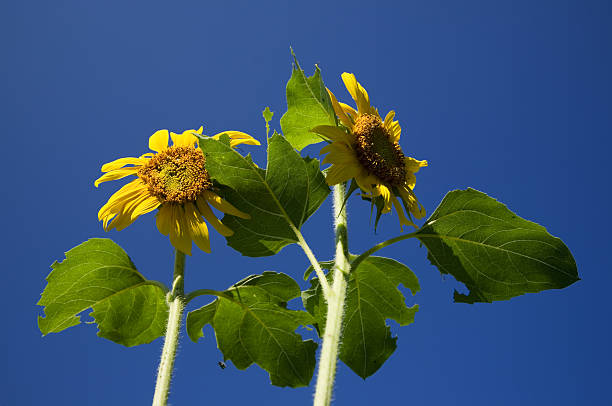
335,305
176,302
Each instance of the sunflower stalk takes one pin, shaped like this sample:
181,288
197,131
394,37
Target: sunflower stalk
176,301
335,305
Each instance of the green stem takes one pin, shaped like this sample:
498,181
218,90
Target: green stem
335,305
176,302
313,261
208,292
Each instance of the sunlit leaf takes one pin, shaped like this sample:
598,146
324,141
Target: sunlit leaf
495,253
372,298
98,274
267,115
281,197
308,105
253,325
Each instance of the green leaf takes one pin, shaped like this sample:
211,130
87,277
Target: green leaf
372,297
267,115
308,105
253,325
277,199
98,274
495,253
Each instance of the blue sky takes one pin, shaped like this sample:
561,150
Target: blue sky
509,97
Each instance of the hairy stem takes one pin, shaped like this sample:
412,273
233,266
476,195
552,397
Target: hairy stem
335,305
176,302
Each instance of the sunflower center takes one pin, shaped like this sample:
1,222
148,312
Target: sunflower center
176,174
377,152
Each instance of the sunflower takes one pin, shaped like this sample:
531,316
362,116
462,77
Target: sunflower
367,149
174,180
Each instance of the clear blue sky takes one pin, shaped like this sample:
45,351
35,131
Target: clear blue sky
509,97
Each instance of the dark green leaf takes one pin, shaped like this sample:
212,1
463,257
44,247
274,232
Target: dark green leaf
253,325
98,274
495,253
284,195
308,105
372,297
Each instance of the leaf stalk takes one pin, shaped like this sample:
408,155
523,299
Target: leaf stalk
206,292
355,263
313,261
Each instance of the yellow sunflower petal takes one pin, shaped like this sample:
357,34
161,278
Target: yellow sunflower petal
163,220
413,165
116,174
147,205
180,236
333,133
358,93
351,84
121,197
365,181
119,206
349,110
415,208
237,138
105,221
418,210
389,118
223,206
385,193
121,162
326,149
199,233
395,130
341,173
393,127
158,141
120,221
339,154
346,120
185,139
403,220
124,216
134,208
410,180
212,219
364,93
197,228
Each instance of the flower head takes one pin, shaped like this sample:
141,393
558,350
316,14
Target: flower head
175,180
367,150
